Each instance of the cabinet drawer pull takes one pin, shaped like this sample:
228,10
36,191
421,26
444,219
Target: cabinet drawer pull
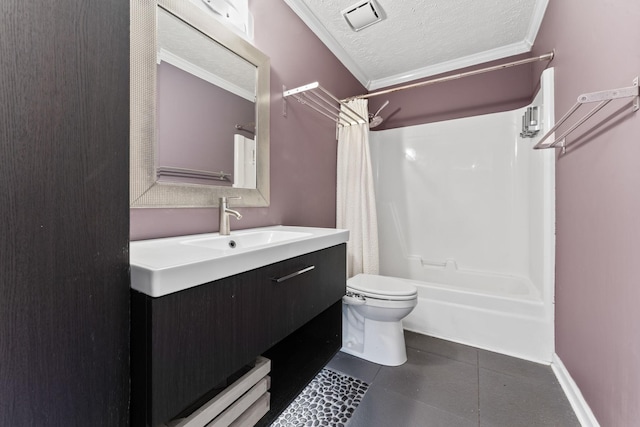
289,276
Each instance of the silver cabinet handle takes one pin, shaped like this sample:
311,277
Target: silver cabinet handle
289,276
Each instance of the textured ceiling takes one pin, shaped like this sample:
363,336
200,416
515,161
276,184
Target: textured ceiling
419,38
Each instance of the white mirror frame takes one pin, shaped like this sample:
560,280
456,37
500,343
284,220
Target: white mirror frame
144,189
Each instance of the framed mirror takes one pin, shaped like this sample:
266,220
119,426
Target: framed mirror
199,110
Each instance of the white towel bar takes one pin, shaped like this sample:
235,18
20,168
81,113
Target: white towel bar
321,100
603,98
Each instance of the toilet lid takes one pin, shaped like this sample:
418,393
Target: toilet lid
381,286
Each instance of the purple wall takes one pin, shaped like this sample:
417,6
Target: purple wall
303,144
196,122
493,92
598,206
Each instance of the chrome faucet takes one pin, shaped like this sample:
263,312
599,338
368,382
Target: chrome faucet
225,228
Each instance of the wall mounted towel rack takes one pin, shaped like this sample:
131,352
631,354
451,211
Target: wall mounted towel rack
170,171
321,100
603,98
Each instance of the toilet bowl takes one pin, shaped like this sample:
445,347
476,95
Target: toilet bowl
372,313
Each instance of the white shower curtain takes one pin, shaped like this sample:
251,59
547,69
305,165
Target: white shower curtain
355,203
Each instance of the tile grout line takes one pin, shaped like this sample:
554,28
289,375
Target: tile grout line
478,376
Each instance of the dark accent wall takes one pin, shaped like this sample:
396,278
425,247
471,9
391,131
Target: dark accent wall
303,144
597,202
64,275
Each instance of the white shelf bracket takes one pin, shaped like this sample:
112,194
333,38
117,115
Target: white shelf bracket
602,98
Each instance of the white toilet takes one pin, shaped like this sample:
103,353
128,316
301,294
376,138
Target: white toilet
372,313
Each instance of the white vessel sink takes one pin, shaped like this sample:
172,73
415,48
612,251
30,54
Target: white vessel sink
163,266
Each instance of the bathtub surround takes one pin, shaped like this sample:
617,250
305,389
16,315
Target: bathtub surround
466,209
355,198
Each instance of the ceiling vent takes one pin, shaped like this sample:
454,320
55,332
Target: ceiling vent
362,14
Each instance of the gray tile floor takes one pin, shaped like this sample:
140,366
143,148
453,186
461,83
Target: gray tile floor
444,384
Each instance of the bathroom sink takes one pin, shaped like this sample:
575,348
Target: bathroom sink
163,266
246,240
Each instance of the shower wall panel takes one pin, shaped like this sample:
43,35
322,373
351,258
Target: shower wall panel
455,192
467,195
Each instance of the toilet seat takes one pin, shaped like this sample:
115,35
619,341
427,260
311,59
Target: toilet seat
382,288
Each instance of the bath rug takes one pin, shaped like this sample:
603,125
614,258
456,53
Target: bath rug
329,400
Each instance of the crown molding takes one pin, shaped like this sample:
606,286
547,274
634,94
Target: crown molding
184,65
456,64
304,12
536,21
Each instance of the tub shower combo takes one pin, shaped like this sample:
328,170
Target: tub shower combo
465,221
466,213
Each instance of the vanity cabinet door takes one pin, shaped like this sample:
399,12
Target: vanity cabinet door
299,298
200,336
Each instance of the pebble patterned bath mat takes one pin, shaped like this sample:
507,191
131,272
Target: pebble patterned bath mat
329,400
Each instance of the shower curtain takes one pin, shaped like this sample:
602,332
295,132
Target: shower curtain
355,201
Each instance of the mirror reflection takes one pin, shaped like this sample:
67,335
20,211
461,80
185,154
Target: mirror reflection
206,109
213,56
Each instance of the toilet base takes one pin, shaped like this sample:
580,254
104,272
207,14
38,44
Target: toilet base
383,343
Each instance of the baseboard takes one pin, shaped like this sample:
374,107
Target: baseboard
579,405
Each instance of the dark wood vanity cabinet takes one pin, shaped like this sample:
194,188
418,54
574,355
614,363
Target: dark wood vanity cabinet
186,344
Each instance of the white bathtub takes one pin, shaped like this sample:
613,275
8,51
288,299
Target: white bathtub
494,312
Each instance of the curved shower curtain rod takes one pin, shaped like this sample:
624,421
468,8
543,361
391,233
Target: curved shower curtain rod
545,57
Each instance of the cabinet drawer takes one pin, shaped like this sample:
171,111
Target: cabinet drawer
301,297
